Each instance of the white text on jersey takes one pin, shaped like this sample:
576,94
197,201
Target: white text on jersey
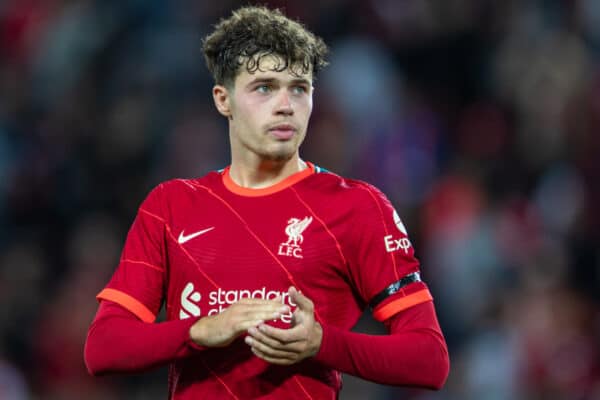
220,299
392,244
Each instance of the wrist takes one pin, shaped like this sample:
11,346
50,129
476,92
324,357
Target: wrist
197,333
331,344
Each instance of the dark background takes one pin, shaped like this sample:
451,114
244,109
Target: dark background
479,119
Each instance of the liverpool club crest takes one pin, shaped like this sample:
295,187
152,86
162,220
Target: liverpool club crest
293,230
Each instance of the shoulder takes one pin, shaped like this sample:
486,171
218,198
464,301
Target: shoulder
181,185
354,192
173,189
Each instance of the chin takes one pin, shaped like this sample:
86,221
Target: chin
278,156
279,153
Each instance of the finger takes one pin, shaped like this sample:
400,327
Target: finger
303,302
257,335
242,323
258,311
285,336
271,360
269,354
293,347
248,300
268,351
264,314
244,326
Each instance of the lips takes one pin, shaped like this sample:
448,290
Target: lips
283,131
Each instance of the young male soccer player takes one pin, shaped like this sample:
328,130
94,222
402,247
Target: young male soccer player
265,266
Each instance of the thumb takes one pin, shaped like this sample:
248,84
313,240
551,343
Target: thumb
303,302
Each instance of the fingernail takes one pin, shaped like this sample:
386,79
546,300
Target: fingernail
248,340
252,331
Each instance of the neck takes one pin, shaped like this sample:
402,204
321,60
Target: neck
264,173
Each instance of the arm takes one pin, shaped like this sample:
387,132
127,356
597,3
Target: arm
118,341
414,352
123,336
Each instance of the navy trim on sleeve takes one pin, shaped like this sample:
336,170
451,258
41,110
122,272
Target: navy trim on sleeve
394,288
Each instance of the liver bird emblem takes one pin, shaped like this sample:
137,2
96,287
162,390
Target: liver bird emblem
294,230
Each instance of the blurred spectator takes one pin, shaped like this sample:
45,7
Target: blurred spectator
12,383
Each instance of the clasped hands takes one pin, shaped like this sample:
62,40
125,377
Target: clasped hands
274,345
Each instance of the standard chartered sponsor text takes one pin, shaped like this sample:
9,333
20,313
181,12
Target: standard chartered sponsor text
219,300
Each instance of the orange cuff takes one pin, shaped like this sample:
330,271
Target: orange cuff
402,303
128,302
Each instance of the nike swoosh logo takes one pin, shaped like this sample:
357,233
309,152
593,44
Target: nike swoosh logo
184,238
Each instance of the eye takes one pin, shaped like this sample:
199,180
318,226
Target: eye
263,89
299,89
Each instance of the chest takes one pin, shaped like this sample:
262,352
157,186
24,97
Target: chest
224,250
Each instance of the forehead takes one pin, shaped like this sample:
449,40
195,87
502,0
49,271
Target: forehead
270,65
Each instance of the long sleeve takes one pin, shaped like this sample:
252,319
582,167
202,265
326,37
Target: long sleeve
118,341
414,353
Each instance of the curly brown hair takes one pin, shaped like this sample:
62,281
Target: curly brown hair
252,33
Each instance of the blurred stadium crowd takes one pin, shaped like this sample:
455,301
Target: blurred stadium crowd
476,118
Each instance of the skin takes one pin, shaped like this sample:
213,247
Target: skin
288,346
256,103
222,329
268,113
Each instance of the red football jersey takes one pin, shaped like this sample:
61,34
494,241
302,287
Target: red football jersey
200,245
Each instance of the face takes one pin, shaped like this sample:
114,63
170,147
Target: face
268,112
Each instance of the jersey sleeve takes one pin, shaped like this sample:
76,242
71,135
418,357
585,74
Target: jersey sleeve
138,282
382,260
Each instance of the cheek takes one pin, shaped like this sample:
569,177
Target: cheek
304,106
247,111
308,113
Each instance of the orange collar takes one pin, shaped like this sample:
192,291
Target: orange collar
287,182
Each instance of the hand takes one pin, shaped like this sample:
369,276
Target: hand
288,346
222,329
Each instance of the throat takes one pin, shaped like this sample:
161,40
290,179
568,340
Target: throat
268,173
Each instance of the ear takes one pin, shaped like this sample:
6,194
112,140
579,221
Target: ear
222,100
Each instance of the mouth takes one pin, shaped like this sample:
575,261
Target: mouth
282,131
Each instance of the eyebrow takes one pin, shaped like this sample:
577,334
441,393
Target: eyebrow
272,80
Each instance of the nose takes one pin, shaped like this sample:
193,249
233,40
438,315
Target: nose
284,105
